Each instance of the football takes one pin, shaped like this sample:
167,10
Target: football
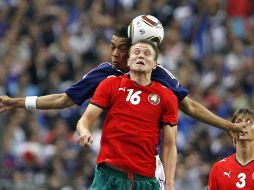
146,27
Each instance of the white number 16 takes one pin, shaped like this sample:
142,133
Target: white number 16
134,98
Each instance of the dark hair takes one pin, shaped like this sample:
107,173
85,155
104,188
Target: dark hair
121,32
152,44
243,111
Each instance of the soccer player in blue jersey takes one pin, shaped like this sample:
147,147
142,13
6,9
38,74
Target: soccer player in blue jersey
84,89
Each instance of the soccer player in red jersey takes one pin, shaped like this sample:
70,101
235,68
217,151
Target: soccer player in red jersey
237,171
136,110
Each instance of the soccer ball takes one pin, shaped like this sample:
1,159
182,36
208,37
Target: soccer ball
146,27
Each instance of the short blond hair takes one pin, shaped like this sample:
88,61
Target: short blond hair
152,44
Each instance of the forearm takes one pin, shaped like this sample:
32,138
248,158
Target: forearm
169,157
85,125
198,111
86,121
53,101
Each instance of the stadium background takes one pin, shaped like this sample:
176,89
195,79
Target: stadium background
47,45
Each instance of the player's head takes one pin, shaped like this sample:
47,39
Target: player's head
246,116
143,56
242,115
119,47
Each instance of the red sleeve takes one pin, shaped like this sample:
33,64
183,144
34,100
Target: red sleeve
103,93
212,182
170,109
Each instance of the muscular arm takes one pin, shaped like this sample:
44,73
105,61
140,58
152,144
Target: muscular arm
169,155
198,111
53,101
85,123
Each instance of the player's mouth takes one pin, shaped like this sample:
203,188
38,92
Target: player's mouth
243,133
140,63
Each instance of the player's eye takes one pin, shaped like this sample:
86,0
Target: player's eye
136,51
147,53
112,47
249,121
123,47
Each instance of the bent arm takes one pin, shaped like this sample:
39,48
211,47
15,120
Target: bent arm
198,111
52,101
169,155
85,123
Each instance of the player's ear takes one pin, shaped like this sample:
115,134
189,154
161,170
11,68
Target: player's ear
234,139
155,65
128,62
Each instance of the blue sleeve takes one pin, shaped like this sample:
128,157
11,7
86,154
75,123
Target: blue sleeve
84,89
162,75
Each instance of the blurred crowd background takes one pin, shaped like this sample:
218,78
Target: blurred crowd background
47,45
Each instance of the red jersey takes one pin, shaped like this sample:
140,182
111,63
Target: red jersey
228,174
131,129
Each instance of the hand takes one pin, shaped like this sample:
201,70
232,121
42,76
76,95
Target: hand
5,103
236,128
85,138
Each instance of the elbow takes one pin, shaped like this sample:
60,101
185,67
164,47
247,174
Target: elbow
187,106
169,146
65,100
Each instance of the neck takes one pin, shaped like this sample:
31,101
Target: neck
245,152
142,79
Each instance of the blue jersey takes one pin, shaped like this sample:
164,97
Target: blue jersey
84,89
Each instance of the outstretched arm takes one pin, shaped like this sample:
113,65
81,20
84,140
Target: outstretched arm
169,155
53,101
198,111
85,123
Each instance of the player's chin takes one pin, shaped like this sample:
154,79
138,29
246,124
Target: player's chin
114,65
243,137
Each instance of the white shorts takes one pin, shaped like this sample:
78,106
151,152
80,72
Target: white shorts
159,172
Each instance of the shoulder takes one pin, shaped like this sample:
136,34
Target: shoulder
105,65
100,68
225,161
163,89
112,79
163,71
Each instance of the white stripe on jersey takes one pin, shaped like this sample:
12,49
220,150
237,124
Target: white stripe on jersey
95,68
99,66
167,71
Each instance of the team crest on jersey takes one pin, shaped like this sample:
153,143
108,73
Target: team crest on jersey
154,99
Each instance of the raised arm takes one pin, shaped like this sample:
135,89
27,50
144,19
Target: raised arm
169,155
53,101
198,111
85,123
